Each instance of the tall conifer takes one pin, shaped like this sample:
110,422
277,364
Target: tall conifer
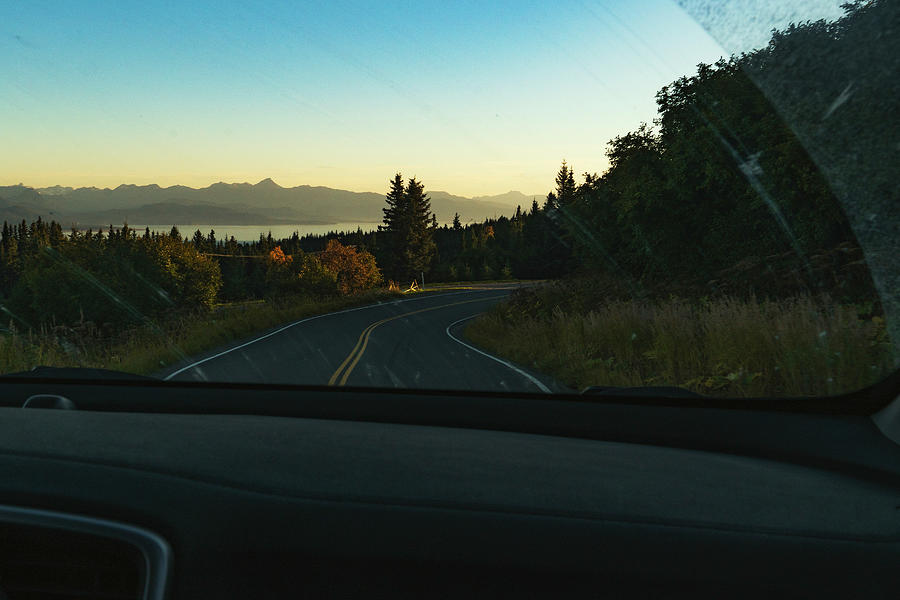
407,238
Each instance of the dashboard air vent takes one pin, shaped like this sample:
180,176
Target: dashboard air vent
62,557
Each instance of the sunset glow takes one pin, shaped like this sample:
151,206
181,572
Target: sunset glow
473,98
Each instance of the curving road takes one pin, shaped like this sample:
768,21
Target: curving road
411,342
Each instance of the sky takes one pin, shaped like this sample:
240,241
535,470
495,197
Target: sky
474,98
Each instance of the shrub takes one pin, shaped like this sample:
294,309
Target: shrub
354,270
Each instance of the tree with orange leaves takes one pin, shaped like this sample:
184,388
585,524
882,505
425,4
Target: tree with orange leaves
280,276
278,257
355,270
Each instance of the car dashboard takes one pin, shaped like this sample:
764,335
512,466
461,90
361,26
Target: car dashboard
239,491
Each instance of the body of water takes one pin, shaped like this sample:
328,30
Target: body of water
250,233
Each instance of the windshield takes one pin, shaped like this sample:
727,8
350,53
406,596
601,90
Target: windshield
699,196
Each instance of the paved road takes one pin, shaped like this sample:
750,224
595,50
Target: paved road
413,342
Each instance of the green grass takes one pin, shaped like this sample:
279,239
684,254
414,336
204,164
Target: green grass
467,285
725,347
150,348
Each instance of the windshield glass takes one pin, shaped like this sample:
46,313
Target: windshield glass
518,196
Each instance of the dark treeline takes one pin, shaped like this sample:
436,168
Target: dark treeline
500,248
47,276
123,277
720,192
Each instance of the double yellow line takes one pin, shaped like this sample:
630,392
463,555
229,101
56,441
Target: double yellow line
353,358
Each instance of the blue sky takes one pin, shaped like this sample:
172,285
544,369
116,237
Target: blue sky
474,98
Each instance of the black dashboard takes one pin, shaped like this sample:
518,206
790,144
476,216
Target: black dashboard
288,492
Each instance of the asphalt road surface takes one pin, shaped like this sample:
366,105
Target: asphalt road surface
413,342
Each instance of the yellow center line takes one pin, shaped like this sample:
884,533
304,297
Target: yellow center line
353,358
361,342
335,375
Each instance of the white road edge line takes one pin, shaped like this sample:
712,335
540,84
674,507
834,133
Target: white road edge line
289,325
530,378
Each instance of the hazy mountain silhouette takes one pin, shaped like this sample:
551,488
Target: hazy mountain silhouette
18,202
448,204
264,203
54,190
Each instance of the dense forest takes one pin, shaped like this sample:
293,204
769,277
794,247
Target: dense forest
744,244
717,196
122,276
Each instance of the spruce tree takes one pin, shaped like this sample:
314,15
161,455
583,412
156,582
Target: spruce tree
390,242
408,232
394,209
565,185
420,247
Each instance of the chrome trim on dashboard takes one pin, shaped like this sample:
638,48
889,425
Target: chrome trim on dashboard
888,420
156,551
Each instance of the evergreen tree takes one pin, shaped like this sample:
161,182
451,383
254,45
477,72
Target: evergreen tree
565,185
389,242
56,234
420,248
550,202
408,230
395,199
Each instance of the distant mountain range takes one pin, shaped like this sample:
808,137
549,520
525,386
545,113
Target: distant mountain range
265,203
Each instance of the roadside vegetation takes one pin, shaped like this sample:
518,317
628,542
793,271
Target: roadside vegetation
139,303
723,346
716,252
150,348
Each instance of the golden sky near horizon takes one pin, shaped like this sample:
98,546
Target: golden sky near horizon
470,98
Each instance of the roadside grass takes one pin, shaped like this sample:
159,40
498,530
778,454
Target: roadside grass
149,348
469,285
798,346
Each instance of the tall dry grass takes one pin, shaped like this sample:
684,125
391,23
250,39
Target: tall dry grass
728,347
149,348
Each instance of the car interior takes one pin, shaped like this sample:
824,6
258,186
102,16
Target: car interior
144,489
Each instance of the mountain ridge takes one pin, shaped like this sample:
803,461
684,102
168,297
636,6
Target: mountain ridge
262,203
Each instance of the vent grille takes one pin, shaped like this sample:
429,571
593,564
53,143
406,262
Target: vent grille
43,563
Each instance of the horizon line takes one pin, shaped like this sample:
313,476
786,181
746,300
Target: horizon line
260,182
